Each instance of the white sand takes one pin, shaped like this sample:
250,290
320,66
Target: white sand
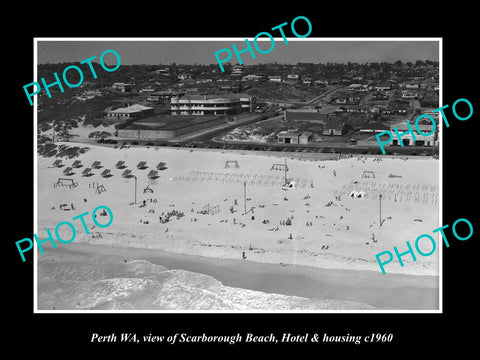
217,235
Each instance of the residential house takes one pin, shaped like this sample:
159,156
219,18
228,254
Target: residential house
288,137
420,140
394,111
203,81
253,77
383,86
305,137
184,76
148,89
336,128
237,70
356,87
341,100
380,96
357,109
226,104
373,128
123,87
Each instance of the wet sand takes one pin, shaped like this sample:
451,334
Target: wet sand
384,292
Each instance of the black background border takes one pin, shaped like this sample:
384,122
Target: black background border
413,333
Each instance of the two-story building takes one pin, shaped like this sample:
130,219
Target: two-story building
226,104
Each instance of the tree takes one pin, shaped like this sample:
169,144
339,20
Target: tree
419,63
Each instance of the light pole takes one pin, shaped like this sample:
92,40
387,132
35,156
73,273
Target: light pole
245,198
380,197
135,201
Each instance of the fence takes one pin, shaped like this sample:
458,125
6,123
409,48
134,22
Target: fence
240,178
395,192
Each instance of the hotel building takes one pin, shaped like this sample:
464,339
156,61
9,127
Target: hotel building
229,104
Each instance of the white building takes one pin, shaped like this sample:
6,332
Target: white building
229,104
275,78
407,139
253,77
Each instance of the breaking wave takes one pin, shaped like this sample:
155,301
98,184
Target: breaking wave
96,283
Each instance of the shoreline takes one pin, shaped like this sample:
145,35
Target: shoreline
384,292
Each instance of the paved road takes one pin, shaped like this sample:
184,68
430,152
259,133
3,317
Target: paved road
221,128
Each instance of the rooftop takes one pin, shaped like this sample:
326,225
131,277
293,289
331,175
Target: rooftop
131,109
302,115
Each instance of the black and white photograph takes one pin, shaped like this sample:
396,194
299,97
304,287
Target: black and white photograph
240,182
258,188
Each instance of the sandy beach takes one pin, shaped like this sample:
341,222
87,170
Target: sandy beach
195,206
334,289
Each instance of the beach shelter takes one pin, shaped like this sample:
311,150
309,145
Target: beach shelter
120,165
161,166
67,171
353,194
87,172
96,165
288,222
290,185
148,189
100,189
142,165
106,173
153,174
57,163
361,194
76,164
127,173
65,182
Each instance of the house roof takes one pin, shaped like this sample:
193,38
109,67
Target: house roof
298,115
131,109
289,133
334,125
215,96
426,128
306,133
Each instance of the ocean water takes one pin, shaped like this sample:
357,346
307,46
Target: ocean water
81,282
